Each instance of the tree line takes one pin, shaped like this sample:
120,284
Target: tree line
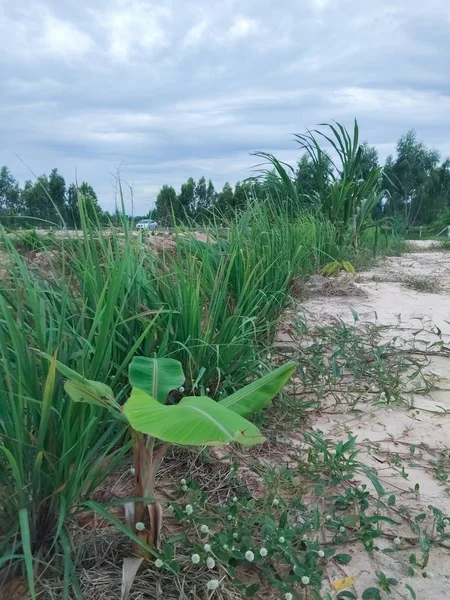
415,179
46,201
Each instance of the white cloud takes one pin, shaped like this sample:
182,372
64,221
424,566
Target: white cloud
174,89
242,27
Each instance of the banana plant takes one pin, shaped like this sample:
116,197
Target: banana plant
156,424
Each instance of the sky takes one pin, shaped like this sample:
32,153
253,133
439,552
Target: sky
161,91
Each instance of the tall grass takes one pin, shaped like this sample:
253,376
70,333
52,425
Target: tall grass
345,192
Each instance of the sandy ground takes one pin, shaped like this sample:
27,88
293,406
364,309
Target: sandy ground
387,300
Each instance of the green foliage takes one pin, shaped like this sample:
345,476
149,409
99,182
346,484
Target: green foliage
418,185
333,269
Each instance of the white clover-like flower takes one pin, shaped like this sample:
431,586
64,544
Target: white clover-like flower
140,526
397,541
288,596
342,529
275,502
249,556
183,482
281,539
212,584
181,389
207,390
158,563
189,509
235,499
184,488
195,558
207,548
225,547
321,554
374,527
230,517
132,471
328,517
235,536
445,522
204,528
305,537
210,562
360,488
305,580
263,552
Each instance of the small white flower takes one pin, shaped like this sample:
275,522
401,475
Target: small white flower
184,488
158,563
183,482
321,554
397,541
305,537
305,580
360,488
204,528
140,526
235,536
446,522
181,389
207,390
207,548
189,510
229,517
249,556
281,539
374,527
171,508
133,471
328,517
213,584
225,547
263,552
210,562
275,502
342,529
235,499
288,596
195,558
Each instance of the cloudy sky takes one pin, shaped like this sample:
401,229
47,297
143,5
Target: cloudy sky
163,90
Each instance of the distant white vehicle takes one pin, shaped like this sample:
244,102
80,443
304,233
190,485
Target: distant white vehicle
147,224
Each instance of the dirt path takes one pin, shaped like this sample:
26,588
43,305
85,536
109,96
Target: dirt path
412,447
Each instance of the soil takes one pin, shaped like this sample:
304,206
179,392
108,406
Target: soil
409,314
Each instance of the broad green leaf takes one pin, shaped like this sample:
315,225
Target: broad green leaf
156,376
195,421
257,394
92,392
411,591
371,593
342,559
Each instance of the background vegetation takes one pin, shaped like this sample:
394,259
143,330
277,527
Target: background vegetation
415,183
